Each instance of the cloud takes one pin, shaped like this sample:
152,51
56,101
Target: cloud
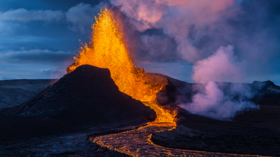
7,28
34,56
32,71
53,73
82,16
23,15
34,63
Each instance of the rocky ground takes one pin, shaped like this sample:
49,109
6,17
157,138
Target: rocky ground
254,132
67,144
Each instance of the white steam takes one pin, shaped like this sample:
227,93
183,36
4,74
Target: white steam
212,101
215,104
221,66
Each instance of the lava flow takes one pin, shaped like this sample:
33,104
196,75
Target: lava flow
107,49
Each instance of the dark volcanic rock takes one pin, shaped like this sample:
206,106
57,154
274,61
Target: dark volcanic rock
16,92
85,98
269,93
86,95
166,97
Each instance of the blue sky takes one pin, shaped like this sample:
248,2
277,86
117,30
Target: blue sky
38,39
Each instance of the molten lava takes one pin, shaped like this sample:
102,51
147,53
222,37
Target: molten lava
107,49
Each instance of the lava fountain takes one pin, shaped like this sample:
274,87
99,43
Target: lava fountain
107,49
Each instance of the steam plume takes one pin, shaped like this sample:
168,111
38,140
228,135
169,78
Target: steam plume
215,104
211,101
221,66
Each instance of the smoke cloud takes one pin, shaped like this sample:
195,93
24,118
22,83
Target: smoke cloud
177,19
200,30
199,27
158,47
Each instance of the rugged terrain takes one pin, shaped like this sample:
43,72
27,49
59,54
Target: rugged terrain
85,107
253,132
16,92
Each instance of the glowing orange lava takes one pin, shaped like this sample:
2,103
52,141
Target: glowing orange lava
107,49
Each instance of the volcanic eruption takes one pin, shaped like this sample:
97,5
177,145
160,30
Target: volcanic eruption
107,106
107,49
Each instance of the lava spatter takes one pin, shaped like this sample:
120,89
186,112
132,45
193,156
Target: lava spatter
107,49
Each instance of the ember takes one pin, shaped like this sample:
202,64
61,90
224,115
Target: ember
107,49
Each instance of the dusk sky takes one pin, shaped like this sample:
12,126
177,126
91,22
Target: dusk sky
38,38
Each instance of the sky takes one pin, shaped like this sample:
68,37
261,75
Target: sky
38,38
